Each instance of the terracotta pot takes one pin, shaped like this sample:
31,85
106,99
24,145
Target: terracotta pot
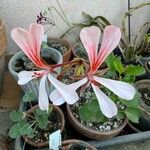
3,43
67,144
3,145
142,85
46,143
67,55
91,133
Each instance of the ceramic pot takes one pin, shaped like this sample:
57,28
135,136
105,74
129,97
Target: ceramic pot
67,54
46,143
3,43
33,85
91,133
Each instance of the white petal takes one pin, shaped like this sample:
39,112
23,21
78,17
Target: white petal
56,98
121,89
25,77
74,86
69,95
43,97
107,106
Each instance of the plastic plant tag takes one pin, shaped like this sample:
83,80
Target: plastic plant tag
55,140
44,39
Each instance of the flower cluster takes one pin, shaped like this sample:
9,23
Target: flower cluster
30,42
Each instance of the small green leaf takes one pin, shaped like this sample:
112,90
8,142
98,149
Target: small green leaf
135,70
121,115
14,131
93,105
29,96
118,65
16,116
42,121
99,118
87,16
129,78
110,62
133,114
84,113
25,129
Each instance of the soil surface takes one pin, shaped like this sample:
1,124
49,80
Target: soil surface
145,92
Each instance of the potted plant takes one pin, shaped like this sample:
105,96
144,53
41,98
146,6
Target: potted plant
33,62
98,107
3,43
35,125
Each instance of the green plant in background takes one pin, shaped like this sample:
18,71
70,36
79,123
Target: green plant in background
26,124
90,111
133,49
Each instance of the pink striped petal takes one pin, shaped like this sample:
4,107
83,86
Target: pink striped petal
69,95
26,76
30,42
37,32
43,97
111,38
90,37
121,89
107,106
58,99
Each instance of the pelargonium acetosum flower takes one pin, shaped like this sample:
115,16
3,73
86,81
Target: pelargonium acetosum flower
90,37
30,42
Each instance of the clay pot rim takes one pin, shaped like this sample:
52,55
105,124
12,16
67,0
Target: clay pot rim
133,127
72,141
43,144
92,130
62,41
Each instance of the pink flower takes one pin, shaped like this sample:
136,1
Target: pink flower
30,42
90,37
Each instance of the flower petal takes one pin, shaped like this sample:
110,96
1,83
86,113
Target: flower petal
111,38
30,41
121,89
56,98
43,97
26,76
70,96
37,32
107,106
90,37
74,86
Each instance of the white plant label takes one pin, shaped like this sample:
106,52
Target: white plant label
44,39
55,140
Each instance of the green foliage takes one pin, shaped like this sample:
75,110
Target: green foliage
26,124
91,112
29,97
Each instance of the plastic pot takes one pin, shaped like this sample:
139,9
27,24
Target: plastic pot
67,54
33,85
91,133
62,124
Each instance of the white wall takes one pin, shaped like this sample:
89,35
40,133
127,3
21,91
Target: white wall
22,12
